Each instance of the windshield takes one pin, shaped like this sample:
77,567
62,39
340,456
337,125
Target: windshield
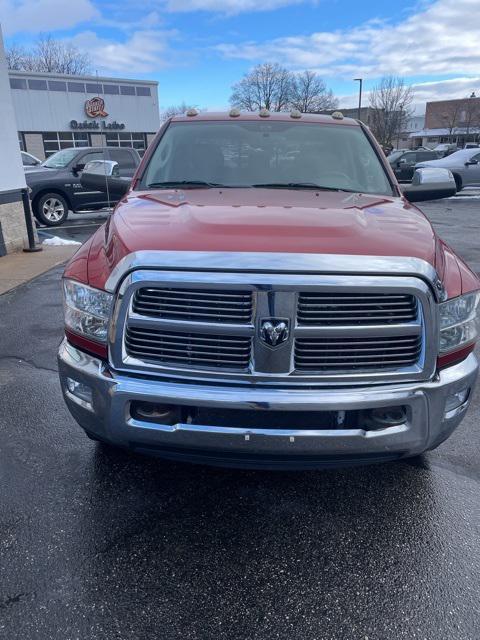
273,154
60,158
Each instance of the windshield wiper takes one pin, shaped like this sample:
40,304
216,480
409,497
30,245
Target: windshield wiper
300,185
172,184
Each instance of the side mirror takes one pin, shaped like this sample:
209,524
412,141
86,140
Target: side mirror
430,183
104,176
78,167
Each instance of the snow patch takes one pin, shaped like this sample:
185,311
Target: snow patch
55,241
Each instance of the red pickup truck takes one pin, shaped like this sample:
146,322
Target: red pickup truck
264,295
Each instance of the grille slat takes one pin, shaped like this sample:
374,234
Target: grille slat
184,349
337,309
194,305
335,355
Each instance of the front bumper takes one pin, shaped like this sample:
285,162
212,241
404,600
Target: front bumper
109,418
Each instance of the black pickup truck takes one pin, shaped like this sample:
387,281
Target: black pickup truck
56,188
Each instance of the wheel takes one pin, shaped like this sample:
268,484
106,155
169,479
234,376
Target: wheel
458,182
51,209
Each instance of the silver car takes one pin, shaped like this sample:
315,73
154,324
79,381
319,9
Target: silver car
464,164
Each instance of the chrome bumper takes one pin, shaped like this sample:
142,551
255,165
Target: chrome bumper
108,417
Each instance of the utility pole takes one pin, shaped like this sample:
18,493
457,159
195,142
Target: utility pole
360,81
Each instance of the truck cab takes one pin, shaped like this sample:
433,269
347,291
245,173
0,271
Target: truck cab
265,295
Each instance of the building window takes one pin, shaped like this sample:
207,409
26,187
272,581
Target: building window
127,90
38,85
94,87
136,140
18,83
57,85
76,87
143,91
55,140
112,89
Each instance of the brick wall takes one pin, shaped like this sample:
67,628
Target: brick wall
453,113
12,223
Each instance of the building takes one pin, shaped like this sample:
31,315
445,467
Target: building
366,113
408,138
450,121
12,177
58,111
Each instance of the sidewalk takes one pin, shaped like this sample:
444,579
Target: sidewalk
17,268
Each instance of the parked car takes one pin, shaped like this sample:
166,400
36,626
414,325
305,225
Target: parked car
403,162
464,164
471,145
446,149
55,184
268,312
29,160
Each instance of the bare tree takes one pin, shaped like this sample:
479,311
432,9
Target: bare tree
451,116
51,56
391,101
470,113
15,56
267,86
309,93
177,109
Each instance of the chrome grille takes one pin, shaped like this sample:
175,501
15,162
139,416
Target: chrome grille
321,353
183,324
188,349
336,308
200,305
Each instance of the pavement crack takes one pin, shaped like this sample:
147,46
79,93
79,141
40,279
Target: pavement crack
29,362
10,600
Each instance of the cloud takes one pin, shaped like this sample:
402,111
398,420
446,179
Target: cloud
33,16
426,92
141,52
226,6
440,39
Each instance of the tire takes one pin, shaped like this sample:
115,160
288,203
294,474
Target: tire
458,182
92,436
51,209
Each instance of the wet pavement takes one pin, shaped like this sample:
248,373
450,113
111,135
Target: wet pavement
98,543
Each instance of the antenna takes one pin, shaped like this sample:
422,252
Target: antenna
103,136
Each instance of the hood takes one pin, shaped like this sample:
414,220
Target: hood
454,160
38,174
269,220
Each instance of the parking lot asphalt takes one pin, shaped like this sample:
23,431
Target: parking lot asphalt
98,543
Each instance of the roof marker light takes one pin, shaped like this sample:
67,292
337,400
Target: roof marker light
264,113
192,112
234,113
337,115
295,114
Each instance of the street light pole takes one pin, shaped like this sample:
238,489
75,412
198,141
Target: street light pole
360,81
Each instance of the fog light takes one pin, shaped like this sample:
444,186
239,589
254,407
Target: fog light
456,400
79,390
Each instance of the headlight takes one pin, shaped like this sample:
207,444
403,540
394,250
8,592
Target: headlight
87,310
459,321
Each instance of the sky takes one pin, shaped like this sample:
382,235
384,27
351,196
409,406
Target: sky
197,49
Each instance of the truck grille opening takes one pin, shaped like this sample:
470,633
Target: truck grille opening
366,419
197,305
337,309
188,349
322,353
